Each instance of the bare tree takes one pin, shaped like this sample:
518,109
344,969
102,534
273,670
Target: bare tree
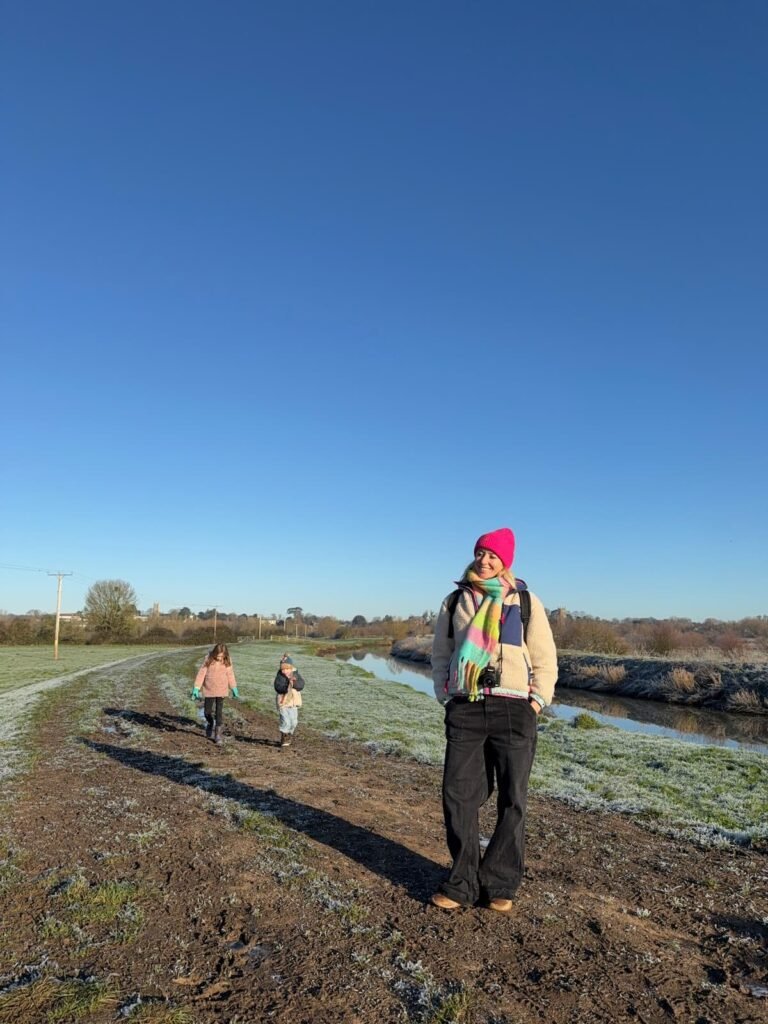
110,607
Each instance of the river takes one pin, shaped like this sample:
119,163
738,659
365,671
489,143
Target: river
693,725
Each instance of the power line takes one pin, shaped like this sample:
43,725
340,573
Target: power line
22,568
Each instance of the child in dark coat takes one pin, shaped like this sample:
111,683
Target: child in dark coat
288,687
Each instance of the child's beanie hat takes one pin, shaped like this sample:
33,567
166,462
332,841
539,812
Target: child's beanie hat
285,660
500,542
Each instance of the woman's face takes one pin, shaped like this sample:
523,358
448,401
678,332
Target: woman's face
487,565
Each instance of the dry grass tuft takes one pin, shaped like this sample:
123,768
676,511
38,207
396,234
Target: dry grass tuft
681,680
613,673
745,700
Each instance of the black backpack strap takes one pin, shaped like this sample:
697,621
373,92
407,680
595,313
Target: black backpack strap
450,607
525,611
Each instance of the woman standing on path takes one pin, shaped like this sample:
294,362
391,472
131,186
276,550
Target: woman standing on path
494,672
288,686
214,680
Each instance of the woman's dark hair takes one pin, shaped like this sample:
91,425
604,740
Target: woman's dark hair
216,651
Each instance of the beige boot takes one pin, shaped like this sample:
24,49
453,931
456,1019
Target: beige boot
218,735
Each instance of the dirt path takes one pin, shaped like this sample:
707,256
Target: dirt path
154,872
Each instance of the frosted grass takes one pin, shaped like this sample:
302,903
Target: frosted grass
27,674
20,666
344,702
705,792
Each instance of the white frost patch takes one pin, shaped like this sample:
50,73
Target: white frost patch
19,703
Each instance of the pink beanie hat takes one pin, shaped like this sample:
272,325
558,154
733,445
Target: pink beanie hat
500,542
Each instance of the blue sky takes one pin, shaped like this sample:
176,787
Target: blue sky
300,298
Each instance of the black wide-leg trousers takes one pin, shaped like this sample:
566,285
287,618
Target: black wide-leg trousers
494,737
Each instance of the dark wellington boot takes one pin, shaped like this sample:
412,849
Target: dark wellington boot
208,730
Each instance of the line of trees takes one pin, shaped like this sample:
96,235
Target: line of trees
739,638
110,615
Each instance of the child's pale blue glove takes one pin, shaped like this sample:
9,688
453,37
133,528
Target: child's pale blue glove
195,695
235,694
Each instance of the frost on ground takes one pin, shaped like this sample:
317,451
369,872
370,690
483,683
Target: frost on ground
242,883
19,704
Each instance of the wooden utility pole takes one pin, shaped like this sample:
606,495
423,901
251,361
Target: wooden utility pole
59,576
259,627
215,610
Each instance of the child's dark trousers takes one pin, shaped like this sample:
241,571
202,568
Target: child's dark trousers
214,710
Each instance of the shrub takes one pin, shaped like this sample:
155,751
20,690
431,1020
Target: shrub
664,639
158,635
731,643
20,631
588,635
584,721
204,635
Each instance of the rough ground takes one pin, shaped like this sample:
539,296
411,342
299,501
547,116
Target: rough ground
244,884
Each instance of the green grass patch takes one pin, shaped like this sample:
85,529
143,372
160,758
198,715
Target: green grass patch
453,1008
273,834
80,909
58,1001
153,1014
99,904
10,872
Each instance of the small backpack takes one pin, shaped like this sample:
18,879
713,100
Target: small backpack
525,610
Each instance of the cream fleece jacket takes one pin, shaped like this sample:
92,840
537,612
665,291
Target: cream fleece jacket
528,668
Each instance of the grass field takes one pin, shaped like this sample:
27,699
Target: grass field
711,794
20,666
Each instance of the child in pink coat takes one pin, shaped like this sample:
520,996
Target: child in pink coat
214,680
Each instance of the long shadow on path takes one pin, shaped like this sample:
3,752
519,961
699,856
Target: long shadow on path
162,721
418,875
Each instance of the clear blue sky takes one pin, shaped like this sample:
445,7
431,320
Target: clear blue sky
299,298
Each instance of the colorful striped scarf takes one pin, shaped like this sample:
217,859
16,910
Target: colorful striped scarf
484,631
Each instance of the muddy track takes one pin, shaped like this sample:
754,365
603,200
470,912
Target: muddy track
245,884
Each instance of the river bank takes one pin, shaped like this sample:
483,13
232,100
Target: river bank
646,717
725,686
